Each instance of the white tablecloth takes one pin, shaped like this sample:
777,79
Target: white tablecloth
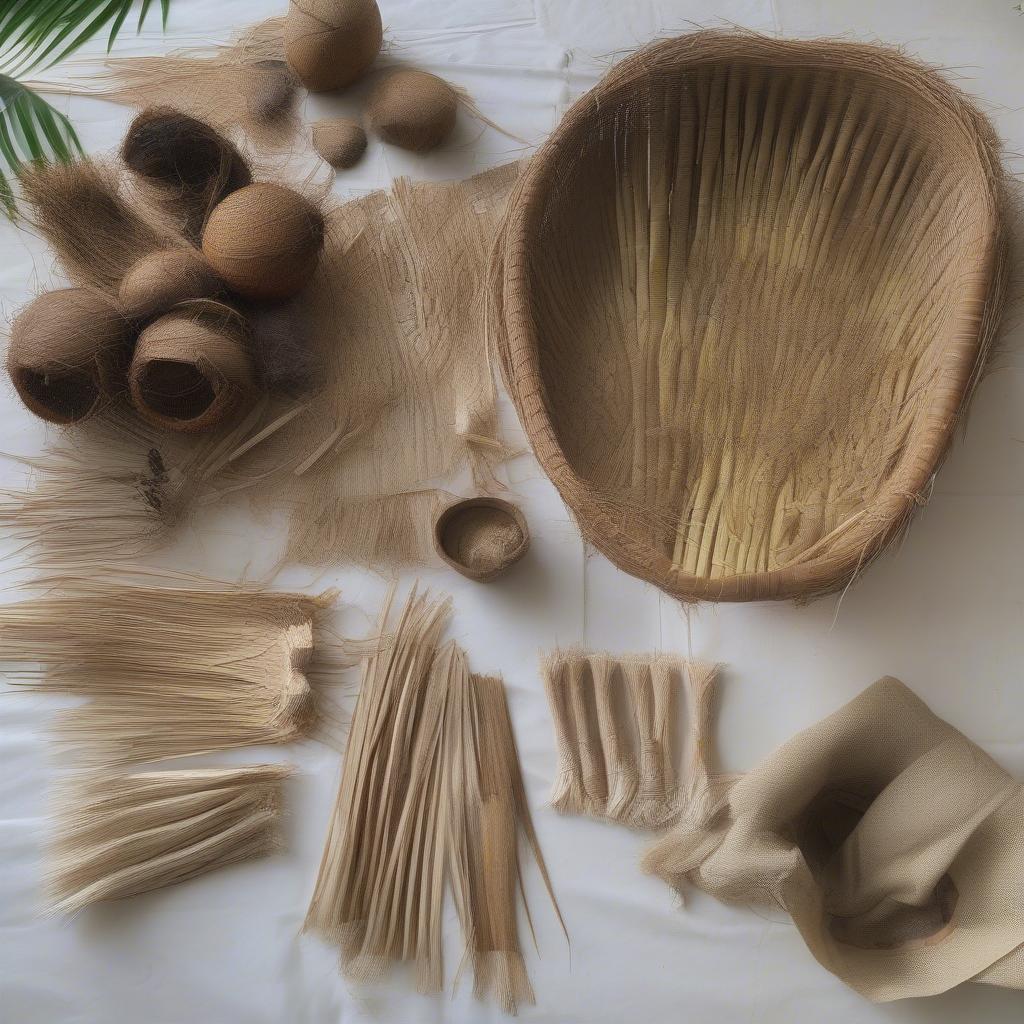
945,613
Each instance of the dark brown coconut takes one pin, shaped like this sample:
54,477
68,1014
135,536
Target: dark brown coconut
191,367
264,241
339,141
481,537
164,279
413,109
66,351
330,43
192,164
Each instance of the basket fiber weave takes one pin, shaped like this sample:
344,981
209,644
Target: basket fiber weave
740,298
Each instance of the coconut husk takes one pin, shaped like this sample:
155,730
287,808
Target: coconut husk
741,298
339,141
191,368
97,233
481,537
264,241
412,109
190,164
163,279
67,354
330,43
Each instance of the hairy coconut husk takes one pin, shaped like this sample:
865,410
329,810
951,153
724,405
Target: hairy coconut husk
67,349
192,165
339,141
330,43
165,278
191,367
264,241
283,348
413,109
78,208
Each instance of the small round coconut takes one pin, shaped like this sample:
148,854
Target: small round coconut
339,141
330,43
191,367
413,109
264,241
163,279
67,349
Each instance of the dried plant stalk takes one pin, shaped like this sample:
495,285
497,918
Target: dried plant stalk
167,672
614,731
431,794
120,836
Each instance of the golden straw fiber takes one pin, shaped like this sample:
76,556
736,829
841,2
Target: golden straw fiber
740,299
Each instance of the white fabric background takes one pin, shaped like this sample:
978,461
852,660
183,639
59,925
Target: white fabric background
945,613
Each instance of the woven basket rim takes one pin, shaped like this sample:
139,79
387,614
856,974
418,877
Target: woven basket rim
518,343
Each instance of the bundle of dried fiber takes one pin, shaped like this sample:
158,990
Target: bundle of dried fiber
192,368
431,793
67,353
246,85
190,165
734,247
119,836
389,785
488,814
97,235
167,671
615,730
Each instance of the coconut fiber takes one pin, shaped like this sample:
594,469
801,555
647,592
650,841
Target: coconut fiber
742,294
894,842
122,835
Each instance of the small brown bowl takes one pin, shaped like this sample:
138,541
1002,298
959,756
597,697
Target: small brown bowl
481,537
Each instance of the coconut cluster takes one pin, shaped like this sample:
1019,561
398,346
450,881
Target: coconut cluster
176,334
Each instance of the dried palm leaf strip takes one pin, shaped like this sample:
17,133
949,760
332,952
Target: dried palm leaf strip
123,835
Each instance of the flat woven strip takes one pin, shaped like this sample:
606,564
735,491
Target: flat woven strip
740,299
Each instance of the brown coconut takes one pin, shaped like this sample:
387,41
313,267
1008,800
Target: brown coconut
330,43
191,367
339,141
163,279
264,241
66,353
413,109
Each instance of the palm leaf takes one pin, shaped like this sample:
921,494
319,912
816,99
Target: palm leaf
37,34
30,131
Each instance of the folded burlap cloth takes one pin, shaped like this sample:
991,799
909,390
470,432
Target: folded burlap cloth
894,842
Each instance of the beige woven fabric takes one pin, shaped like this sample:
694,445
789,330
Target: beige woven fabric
615,722
895,843
741,295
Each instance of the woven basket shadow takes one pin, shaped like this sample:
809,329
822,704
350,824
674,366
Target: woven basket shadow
740,299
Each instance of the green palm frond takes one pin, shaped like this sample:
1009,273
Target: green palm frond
30,130
34,35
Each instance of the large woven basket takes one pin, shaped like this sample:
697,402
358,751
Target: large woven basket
740,298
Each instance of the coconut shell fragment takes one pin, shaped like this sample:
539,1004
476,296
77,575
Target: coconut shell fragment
413,109
264,241
66,351
165,278
330,43
191,367
339,141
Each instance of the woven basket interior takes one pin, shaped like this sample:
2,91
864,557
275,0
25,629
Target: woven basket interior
746,287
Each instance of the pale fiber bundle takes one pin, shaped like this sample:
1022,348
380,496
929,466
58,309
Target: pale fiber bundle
615,727
120,836
244,86
67,354
97,233
167,672
741,297
191,368
894,842
431,794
